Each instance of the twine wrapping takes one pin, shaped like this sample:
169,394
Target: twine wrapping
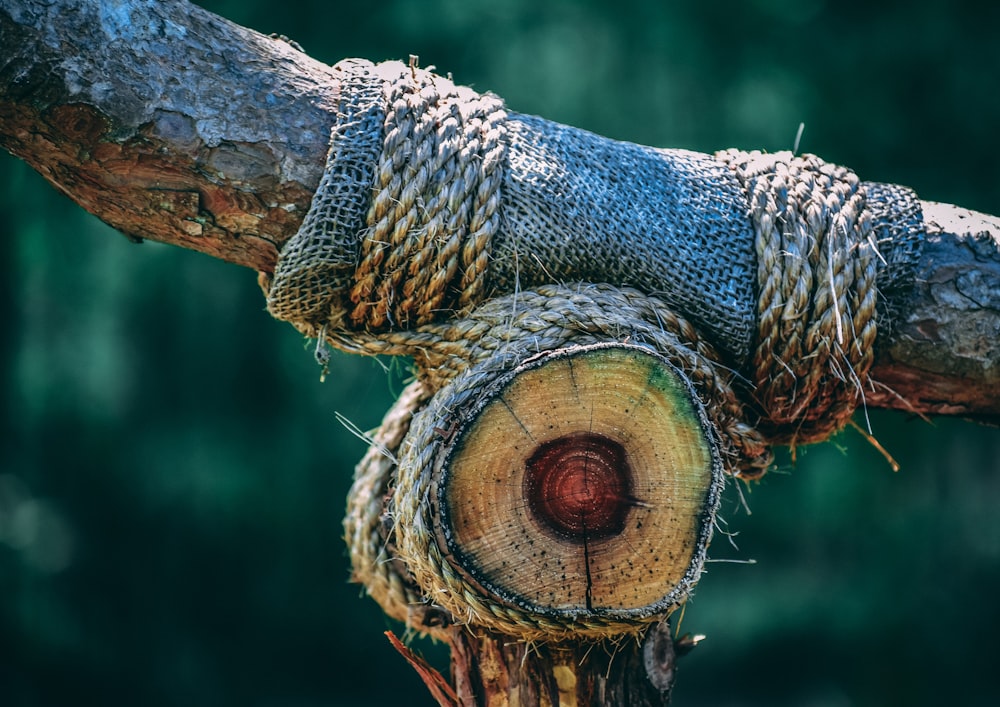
816,268
447,230
434,209
399,230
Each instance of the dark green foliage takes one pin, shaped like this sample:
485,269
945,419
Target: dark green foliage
172,475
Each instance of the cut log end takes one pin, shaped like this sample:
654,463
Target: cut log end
582,487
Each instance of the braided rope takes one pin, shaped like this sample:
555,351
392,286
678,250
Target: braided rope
371,541
434,212
816,269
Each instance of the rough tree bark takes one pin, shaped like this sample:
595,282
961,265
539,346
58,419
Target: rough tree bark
167,122
172,124
942,358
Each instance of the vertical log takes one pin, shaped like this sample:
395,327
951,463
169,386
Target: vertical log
559,511
492,670
571,497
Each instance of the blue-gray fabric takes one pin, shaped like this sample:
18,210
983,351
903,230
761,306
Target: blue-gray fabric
577,207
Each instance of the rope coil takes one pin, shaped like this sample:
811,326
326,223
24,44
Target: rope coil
816,268
434,210
400,228
460,358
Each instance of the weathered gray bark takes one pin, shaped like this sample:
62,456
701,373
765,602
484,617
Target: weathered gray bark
944,354
166,121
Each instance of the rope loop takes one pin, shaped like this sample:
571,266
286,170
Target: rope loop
456,358
435,204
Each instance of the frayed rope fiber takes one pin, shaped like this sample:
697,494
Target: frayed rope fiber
816,270
448,229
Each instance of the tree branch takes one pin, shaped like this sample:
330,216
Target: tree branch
943,356
166,121
173,124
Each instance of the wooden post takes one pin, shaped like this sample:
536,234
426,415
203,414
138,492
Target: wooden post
491,670
564,509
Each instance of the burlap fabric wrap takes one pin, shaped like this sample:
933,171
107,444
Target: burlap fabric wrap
465,236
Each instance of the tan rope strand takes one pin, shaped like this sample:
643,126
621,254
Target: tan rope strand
373,561
486,213
816,276
382,216
425,288
410,234
435,204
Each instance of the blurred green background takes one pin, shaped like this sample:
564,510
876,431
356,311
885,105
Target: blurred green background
172,475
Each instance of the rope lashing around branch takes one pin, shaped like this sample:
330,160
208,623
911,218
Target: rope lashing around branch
419,160
435,205
394,257
434,158
469,351
464,355
369,529
816,265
